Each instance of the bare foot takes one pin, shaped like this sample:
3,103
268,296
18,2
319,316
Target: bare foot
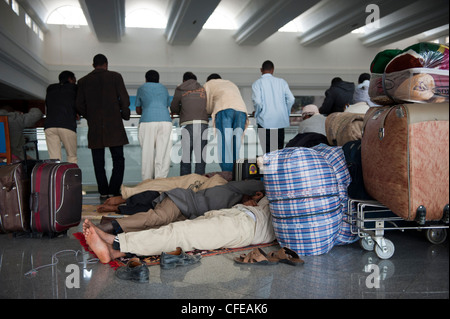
107,238
98,246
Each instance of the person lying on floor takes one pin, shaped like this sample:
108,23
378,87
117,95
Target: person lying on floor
179,204
242,225
140,198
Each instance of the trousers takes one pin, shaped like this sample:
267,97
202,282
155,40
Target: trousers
231,126
54,136
155,139
98,158
225,228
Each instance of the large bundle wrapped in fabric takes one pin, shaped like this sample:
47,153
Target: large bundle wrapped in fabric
307,195
417,74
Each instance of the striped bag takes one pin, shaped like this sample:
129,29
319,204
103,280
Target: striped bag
336,158
305,199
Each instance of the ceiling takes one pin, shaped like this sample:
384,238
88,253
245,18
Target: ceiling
321,21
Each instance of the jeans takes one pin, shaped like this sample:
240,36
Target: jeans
98,158
192,140
230,124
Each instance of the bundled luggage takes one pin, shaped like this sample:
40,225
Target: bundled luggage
417,74
404,153
306,188
343,127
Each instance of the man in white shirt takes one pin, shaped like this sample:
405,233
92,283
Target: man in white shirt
273,101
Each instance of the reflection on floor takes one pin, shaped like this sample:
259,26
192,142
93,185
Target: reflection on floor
418,269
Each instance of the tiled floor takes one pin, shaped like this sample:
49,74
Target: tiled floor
418,269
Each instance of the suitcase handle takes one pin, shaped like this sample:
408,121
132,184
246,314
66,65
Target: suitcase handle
34,202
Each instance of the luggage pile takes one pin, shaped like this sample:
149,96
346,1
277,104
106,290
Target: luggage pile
307,191
43,197
405,147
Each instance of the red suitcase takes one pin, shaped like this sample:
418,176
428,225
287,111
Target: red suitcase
405,163
56,197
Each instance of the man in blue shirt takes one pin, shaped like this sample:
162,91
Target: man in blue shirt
273,101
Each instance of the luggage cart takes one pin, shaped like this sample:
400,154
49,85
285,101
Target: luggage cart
369,219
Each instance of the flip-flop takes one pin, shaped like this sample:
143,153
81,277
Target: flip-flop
287,256
256,256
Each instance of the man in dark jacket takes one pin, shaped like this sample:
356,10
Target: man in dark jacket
61,117
189,101
337,96
103,100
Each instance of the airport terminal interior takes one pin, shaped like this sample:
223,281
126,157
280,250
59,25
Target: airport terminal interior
310,42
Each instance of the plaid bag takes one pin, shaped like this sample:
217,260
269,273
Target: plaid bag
336,158
305,200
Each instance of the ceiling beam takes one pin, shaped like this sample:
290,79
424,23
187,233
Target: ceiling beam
262,18
186,19
411,20
106,18
332,19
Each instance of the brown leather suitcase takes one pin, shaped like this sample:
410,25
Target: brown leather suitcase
14,198
56,197
405,159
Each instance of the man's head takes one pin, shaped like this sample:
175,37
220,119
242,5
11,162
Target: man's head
248,200
67,77
213,76
152,76
100,62
309,110
189,76
267,67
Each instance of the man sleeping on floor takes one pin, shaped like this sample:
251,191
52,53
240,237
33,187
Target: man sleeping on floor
179,204
244,224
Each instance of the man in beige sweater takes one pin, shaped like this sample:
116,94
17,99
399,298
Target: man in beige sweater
229,113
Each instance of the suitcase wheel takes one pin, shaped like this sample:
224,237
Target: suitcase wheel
436,236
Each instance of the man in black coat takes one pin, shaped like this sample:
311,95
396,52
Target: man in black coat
337,96
103,100
61,117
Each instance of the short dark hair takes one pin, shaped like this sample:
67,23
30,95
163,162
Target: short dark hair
152,76
64,76
336,80
213,76
268,65
100,59
189,76
363,77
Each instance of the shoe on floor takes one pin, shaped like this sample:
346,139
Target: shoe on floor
134,271
177,258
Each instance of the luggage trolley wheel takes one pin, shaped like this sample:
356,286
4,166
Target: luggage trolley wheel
367,243
436,235
384,248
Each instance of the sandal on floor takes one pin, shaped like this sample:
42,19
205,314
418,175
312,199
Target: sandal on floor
256,256
287,256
